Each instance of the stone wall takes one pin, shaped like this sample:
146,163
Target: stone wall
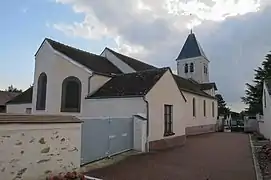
29,150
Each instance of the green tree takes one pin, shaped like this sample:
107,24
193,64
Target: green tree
253,93
222,105
13,89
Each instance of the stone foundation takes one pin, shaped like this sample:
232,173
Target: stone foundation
167,143
195,130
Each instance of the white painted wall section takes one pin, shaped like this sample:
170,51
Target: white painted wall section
18,108
165,91
265,125
199,119
114,107
57,68
30,151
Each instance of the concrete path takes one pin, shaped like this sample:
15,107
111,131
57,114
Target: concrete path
216,156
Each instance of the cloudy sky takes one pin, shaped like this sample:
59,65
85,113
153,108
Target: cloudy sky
235,34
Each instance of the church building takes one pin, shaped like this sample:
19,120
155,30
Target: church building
163,107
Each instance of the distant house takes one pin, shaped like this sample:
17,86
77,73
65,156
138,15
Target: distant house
22,103
75,82
6,96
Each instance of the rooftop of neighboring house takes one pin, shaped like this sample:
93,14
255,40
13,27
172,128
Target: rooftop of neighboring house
23,98
6,96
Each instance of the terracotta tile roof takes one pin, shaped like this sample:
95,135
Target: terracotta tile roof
6,96
24,97
131,85
93,62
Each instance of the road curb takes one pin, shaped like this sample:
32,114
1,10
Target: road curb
255,161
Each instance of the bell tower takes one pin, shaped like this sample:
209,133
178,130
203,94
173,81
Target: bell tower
192,62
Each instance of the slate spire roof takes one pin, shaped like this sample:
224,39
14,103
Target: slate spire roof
191,48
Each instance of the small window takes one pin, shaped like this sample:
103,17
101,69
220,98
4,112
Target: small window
168,117
186,68
206,70
191,67
194,107
213,109
28,110
204,108
264,96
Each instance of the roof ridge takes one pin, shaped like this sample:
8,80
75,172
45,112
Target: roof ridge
77,49
147,70
128,57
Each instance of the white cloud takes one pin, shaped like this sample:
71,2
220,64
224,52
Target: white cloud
154,30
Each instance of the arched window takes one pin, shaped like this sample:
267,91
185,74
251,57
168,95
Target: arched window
41,92
204,108
204,69
186,68
71,95
213,109
194,107
191,67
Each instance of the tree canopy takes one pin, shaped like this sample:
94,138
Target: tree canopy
13,89
222,105
253,93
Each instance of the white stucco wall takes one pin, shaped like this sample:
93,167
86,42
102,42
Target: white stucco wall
114,107
57,68
198,73
18,108
165,92
117,62
199,119
33,150
265,126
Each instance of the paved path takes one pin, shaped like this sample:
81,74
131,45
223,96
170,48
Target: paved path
217,156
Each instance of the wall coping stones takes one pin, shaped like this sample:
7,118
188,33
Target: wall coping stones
37,119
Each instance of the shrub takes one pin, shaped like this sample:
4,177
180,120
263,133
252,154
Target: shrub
67,176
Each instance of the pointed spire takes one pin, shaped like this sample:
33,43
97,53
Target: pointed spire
191,48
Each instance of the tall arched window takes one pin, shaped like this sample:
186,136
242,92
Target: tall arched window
41,92
191,67
213,109
71,95
204,108
186,68
194,107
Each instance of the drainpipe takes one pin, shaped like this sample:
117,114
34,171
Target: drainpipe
147,140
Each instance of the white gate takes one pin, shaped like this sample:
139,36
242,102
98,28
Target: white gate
105,137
